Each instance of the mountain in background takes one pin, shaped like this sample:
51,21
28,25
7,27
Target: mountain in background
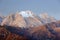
25,25
26,19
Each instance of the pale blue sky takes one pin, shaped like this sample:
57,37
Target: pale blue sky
52,7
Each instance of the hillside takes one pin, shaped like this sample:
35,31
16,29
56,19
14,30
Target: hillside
49,31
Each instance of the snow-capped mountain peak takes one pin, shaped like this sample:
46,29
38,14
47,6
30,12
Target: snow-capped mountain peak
26,13
26,19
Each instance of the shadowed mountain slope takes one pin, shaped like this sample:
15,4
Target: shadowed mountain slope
49,31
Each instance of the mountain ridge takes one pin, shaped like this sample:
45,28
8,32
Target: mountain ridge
21,19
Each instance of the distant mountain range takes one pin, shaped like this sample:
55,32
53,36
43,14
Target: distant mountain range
28,26
26,19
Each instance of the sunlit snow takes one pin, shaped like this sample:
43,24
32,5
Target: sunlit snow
26,14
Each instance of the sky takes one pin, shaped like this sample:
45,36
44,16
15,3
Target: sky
52,7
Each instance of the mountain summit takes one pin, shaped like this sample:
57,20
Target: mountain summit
26,13
46,18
